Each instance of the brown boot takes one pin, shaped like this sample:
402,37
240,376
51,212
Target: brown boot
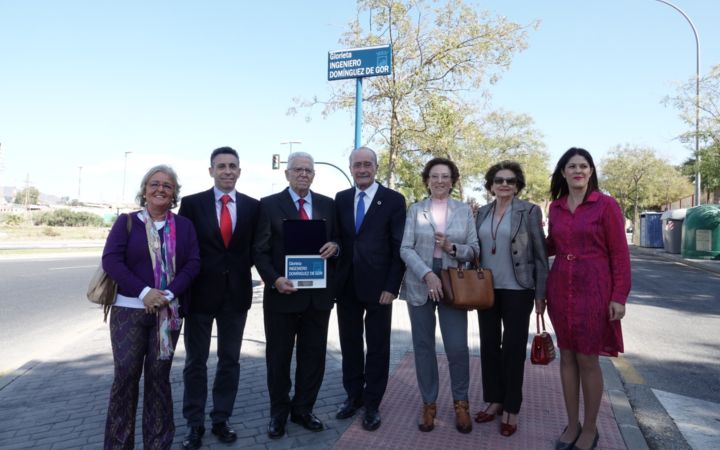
463,423
427,420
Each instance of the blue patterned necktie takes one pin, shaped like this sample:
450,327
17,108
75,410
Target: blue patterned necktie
360,211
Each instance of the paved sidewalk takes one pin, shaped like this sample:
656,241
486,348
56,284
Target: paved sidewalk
61,402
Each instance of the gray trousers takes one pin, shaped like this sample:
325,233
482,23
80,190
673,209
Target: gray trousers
453,327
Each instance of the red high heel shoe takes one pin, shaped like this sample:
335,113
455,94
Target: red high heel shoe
506,429
485,416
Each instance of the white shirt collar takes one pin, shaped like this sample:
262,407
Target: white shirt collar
295,197
219,194
369,192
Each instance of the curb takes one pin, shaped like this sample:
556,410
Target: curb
708,265
624,415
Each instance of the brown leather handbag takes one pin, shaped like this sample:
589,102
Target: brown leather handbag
542,350
468,288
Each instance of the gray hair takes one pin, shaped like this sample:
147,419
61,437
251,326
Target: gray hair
167,170
292,156
362,148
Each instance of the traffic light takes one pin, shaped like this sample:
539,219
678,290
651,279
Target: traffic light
276,161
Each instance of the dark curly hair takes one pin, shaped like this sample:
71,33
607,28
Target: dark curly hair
454,172
512,166
558,183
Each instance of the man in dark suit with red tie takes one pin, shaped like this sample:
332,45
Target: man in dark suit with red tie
294,315
371,219
225,221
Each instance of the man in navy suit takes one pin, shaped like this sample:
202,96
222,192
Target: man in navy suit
225,221
294,315
371,219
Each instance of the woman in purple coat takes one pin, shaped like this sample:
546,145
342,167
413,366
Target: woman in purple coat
153,259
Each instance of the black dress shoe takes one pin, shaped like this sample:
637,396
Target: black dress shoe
276,427
348,408
308,421
560,445
193,438
371,421
224,432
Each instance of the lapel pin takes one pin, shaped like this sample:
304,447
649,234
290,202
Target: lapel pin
379,203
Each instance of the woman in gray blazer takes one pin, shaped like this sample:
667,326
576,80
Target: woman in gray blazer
512,245
439,232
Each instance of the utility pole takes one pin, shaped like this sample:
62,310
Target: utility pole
290,143
79,180
122,197
27,191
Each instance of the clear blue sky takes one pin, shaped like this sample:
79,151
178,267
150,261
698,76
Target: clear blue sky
83,82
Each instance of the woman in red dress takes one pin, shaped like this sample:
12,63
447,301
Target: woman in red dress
587,288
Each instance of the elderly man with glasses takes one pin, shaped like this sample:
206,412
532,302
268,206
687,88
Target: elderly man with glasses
294,315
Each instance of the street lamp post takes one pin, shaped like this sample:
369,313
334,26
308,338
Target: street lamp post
79,180
122,199
290,143
698,184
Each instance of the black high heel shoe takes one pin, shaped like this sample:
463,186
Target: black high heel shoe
594,443
560,445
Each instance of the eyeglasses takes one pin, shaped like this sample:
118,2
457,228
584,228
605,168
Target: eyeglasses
155,185
443,177
363,165
301,170
512,181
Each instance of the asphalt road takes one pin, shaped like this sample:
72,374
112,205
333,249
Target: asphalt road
672,343
43,305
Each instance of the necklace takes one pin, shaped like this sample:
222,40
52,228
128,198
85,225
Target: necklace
494,229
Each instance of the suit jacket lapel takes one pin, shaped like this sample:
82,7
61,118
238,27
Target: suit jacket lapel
516,218
484,212
374,206
426,206
452,206
289,207
238,217
210,214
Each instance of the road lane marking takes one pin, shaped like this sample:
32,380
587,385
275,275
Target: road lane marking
72,267
696,419
627,371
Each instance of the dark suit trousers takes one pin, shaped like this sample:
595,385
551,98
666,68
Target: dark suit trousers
198,330
503,347
364,377
282,331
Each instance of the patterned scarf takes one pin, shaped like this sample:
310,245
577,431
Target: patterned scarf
162,255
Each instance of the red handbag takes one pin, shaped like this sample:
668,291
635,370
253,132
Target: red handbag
542,350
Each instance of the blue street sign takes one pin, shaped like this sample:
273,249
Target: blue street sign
359,62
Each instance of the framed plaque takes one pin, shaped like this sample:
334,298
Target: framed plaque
306,271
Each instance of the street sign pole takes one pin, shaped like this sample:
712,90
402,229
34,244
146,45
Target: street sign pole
359,63
358,112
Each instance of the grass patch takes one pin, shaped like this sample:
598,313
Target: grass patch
50,251
47,233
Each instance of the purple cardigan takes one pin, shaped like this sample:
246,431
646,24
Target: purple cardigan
127,259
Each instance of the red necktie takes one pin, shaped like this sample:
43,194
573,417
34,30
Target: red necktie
225,220
303,214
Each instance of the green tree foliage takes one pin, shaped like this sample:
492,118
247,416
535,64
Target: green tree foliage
512,136
68,218
709,168
12,220
639,180
28,196
709,126
445,56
